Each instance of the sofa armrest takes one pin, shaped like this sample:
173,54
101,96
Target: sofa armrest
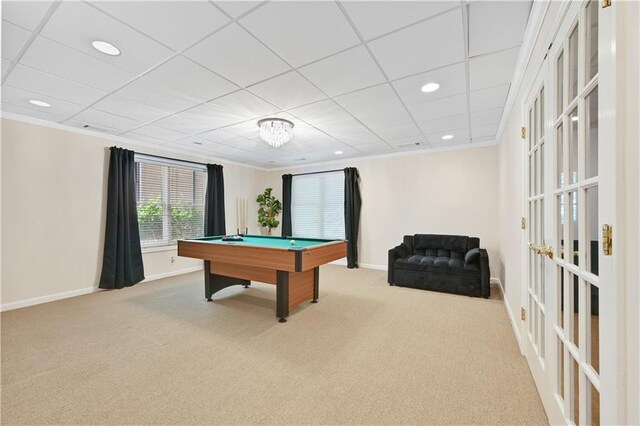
485,274
395,253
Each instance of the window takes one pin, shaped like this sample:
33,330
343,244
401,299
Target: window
170,200
317,205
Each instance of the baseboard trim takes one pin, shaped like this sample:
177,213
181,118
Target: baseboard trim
507,306
45,299
172,273
82,291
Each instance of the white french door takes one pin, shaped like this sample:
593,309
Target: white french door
567,290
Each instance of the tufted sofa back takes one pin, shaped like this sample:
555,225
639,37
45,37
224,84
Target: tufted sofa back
436,245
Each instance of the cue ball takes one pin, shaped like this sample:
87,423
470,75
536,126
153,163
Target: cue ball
293,242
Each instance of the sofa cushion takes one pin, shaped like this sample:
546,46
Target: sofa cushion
423,242
473,256
435,264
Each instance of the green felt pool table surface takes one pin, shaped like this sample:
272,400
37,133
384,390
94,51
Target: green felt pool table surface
270,241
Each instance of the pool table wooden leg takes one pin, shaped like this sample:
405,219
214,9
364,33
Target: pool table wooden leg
316,287
282,295
213,283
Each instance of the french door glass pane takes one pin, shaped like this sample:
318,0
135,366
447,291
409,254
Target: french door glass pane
559,85
541,115
574,309
542,328
561,216
575,373
595,406
561,296
593,330
534,123
531,175
541,174
573,64
531,132
573,245
592,39
591,245
591,143
560,380
573,146
559,157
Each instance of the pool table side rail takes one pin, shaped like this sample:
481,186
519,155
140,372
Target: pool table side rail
260,256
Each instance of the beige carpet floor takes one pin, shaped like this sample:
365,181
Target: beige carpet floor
367,353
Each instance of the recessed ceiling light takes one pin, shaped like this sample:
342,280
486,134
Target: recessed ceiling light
338,152
39,103
430,87
106,48
447,137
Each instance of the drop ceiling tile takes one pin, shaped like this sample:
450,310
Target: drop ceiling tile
181,124
483,118
219,136
142,138
454,144
246,61
375,148
128,108
156,132
236,8
287,91
446,124
154,95
190,79
310,31
496,25
375,18
345,72
415,48
445,107
452,81
320,112
29,112
211,115
244,105
50,85
484,131
490,98
339,129
385,119
59,60
363,138
410,143
106,120
197,19
368,101
26,14
492,70
16,96
5,67
459,135
396,132
13,40
247,129
76,25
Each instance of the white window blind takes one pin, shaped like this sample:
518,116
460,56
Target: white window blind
317,205
170,201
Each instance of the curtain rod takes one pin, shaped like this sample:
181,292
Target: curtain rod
172,159
315,173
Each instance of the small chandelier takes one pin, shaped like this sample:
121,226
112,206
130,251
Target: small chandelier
275,131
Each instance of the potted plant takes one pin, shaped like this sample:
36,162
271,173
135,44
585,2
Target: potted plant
269,209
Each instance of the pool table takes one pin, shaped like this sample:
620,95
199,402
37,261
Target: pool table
291,263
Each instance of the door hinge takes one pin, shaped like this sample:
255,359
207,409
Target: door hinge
606,3
523,314
523,223
523,133
607,240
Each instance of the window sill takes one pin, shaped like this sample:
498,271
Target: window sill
153,249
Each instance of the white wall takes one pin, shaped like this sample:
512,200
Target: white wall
54,197
445,192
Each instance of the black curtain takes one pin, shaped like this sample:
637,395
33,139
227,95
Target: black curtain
286,205
352,205
122,258
214,202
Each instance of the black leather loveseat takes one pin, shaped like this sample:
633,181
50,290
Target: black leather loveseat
448,263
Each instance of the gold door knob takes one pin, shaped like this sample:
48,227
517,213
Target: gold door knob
544,250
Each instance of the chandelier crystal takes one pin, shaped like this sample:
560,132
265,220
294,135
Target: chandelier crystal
275,131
